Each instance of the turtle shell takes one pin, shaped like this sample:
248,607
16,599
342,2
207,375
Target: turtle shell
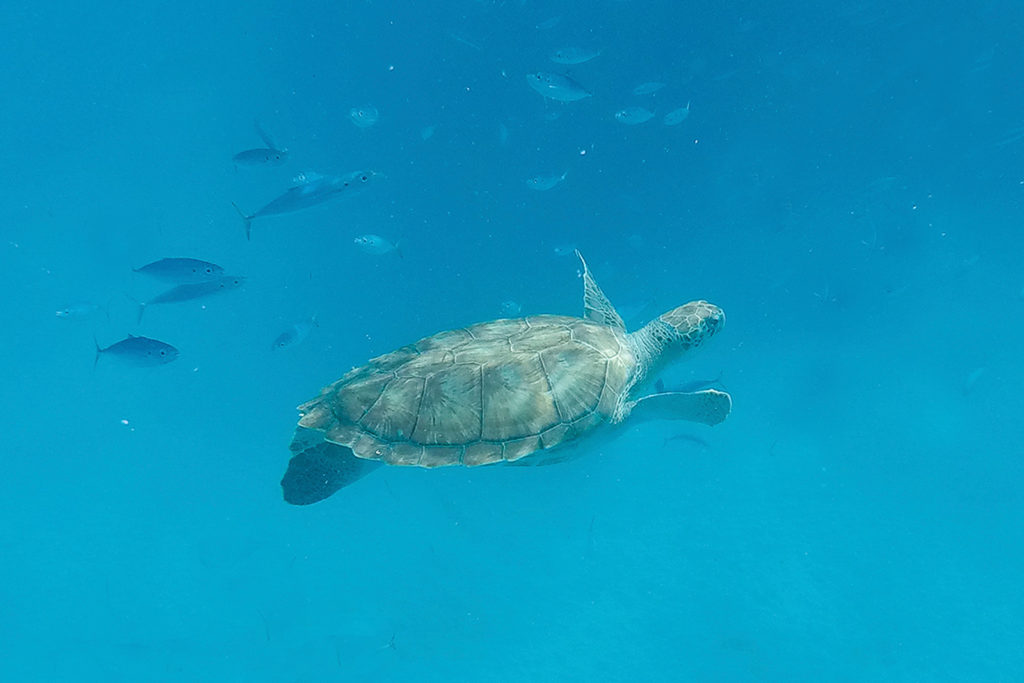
494,391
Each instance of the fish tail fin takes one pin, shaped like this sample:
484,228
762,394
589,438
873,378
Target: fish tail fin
96,358
140,307
106,309
263,136
398,249
246,220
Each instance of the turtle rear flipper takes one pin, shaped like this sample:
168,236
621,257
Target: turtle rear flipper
708,407
321,470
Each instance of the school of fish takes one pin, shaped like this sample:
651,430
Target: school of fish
185,280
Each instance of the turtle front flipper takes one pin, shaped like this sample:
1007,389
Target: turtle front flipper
320,469
708,407
596,305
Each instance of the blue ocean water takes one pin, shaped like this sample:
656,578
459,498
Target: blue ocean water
847,186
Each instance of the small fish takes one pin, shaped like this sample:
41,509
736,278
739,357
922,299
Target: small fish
261,156
632,116
511,309
972,380
544,182
312,189
427,132
79,311
549,24
458,38
181,271
271,155
1011,136
139,351
294,335
377,245
195,290
573,55
555,87
364,117
676,116
648,88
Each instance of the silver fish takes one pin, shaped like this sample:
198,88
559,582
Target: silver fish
377,245
79,311
544,182
632,116
511,309
549,23
364,117
573,55
195,290
312,189
676,116
261,156
139,351
271,155
294,335
972,380
556,87
181,271
648,88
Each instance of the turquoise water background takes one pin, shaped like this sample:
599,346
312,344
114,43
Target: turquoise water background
848,187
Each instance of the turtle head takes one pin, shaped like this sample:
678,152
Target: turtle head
691,324
671,334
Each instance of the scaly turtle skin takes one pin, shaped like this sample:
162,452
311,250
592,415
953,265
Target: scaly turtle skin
497,391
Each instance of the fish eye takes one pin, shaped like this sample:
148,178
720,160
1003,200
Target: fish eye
365,178
162,352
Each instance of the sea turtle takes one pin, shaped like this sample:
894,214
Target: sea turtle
498,391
